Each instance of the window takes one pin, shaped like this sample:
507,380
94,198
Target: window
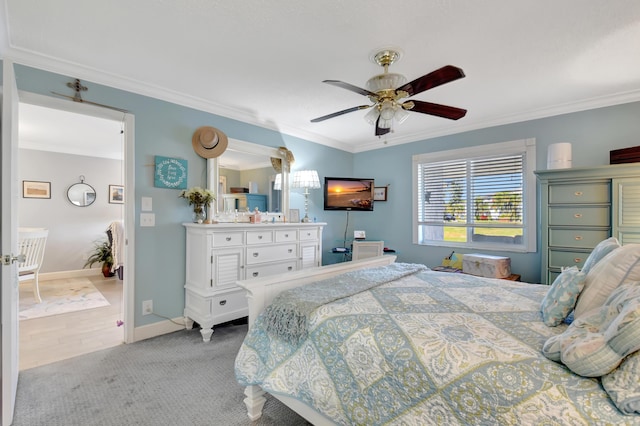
479,197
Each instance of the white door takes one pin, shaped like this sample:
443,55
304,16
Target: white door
9,238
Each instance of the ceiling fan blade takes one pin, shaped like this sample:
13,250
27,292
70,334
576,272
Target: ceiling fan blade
379,130
336,114
443,111
351,87
433,79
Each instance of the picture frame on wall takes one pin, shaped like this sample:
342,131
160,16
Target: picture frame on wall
294,215
36,189
380,193
116,194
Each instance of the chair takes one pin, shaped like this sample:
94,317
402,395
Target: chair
365,249
31,244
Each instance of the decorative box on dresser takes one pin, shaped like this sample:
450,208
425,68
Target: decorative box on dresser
219,255
580,207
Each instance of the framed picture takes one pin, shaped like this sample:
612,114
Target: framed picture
36,189
294,215
380,193
116,194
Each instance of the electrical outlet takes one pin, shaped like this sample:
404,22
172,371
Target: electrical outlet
147,219
147,307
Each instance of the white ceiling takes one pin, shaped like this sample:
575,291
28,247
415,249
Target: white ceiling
263,62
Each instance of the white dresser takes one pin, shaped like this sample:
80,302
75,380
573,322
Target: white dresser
219,255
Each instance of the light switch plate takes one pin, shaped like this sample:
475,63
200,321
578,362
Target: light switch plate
146,204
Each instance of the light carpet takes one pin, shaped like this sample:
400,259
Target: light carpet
174,379
59,297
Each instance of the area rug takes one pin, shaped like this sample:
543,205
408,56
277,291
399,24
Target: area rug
59,297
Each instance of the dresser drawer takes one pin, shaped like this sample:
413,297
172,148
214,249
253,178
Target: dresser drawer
286,235
226,307
559,258
578,238
579,193
309,234
270,254
228,239
271,269
579,216
259,237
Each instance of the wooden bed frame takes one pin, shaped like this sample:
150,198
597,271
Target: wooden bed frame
261,292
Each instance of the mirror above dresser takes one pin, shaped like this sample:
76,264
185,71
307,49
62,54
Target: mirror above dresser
251,170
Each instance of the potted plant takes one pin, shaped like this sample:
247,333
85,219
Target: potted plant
101,253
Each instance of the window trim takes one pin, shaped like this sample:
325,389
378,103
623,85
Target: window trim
528,146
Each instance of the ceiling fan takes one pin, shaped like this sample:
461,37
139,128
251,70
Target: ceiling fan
386,91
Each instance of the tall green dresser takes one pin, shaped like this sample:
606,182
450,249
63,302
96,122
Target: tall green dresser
582,206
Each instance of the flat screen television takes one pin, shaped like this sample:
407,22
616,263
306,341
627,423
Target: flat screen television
348,194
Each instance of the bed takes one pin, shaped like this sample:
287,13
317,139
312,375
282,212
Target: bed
427,347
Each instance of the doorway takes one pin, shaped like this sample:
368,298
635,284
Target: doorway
96,153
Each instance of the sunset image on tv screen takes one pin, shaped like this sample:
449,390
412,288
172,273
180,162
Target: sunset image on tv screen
356,194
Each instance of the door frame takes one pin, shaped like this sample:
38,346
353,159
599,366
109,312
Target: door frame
9,243
129,183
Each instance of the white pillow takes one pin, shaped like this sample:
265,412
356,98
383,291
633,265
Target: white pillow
620,266
601,250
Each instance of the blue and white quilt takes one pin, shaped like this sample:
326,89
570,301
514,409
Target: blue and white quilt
428,348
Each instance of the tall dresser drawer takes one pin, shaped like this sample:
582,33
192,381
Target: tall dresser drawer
579,216
270,254
580,193
559,258
578,238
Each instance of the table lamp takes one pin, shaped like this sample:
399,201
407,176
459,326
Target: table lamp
306,179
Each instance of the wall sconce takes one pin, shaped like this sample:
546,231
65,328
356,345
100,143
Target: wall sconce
307,179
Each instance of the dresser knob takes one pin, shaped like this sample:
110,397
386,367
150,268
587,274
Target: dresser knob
255,274
290,250
286,235
228,238
577,215
255,254
578,237
577,260
259,237
578,193
223,302
290,268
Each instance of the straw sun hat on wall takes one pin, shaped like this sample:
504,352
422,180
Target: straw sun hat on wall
209,142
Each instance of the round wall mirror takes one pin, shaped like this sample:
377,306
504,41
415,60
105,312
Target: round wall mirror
81,194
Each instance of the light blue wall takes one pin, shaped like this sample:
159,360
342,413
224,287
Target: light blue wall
592,133
163,128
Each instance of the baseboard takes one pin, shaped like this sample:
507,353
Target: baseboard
44,276
157,329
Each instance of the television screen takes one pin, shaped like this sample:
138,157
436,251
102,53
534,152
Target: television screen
348,194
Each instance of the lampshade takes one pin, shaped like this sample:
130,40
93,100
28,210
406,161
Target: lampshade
277,183
306,179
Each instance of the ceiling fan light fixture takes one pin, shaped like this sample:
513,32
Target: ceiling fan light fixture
401,115
386,81
372,116
387,110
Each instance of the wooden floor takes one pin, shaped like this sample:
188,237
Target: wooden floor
57,337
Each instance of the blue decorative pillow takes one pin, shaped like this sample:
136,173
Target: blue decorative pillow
561,297
623,385
601,250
